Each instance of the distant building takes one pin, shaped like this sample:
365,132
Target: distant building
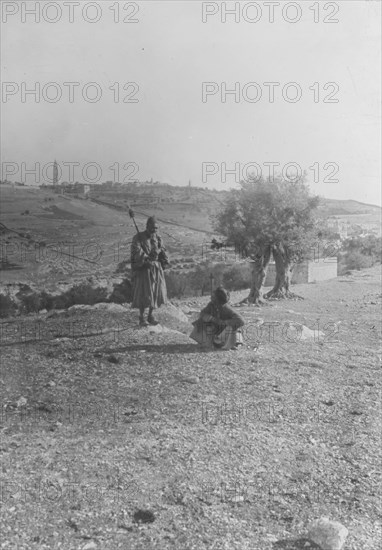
77,188
339,226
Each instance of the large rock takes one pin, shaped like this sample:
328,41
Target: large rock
160,329
173,318
82,308
299,332
329,535
115,308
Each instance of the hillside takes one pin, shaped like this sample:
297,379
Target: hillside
48,238
350,207
354,213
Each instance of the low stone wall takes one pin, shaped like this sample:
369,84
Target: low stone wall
307,272
322,270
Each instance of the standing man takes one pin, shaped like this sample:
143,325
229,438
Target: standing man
148,258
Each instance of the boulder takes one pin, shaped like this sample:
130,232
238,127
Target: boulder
301,332
329,535
160,329
103,306
115,308
173,318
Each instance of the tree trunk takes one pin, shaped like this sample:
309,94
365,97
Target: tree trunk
284,272
259,272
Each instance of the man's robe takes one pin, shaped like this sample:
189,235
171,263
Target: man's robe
149,285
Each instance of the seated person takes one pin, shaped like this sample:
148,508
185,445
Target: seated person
218,325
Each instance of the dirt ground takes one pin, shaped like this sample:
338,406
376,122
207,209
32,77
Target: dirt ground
119,437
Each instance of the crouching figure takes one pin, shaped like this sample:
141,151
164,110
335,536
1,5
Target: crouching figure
218,325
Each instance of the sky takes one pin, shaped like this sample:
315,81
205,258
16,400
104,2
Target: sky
161,126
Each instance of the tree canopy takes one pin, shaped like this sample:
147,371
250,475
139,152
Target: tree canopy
267,217
263,212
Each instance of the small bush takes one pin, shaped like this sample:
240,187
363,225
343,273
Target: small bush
7,306
218,272
122,292
122,266
199,280
47,301
61,302
176,284
84,293
30,303
357,260
237,277
35,301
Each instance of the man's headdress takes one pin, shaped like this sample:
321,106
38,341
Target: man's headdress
151,221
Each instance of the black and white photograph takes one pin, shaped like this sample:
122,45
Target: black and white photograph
190,275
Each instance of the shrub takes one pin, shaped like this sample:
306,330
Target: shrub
47,301
84,293
200,277
61,302
34,302
7,306
176,284
362,252
199,280
237,277
122,292
30,303
357,260
122,266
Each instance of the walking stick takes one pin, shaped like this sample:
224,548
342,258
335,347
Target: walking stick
132,216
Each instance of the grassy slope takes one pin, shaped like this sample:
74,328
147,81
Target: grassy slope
126,420
75,231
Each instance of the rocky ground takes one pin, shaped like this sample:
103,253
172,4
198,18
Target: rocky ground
118,437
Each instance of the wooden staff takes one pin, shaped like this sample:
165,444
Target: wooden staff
132,216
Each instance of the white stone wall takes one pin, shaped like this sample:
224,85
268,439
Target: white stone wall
307,272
